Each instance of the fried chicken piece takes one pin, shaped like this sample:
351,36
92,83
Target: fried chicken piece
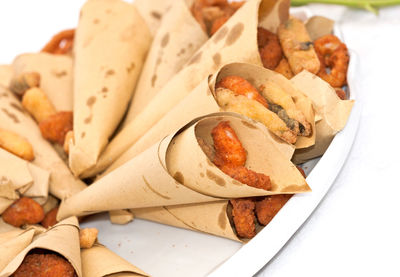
50,218
267,208
241,86
284,68
243,217
247,176
269,48
23,211
44,265
55,127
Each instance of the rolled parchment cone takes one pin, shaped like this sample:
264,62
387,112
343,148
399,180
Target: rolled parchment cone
12,243
177,39
98,261
165,174
63,238
236,41
199,102
330,109
55,76
6,73
111,42
14,118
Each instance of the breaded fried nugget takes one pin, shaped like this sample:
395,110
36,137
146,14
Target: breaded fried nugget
55,127
44,265
50,218
243,217
23,211
267,208
247,176
269,47
241,86
284,68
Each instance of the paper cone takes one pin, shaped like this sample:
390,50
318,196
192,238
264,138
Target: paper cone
63,239
199,102
5,227
332,111
12,243
6,73
99,261
110,45
15,119
177,39
235,42
166,174
55,76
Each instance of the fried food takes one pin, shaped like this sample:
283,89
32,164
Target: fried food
333,54
68,137
340,93
22,82
23,211
55,127
247,176
241,86
35,101
16,145
243,217
230,102
218,23
284,68
44,265
267,208
60,43
50,218
297,46
269,48
87,237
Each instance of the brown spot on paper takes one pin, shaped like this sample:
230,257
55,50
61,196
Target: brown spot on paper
158,62
108,11
248,125
4,94
236,182
217,58
214,177
91,100
156,15
17,107
96,21
220,34
210,163
153,190
202,175
178,176
104,89
153,80
190,45
234,34
12,116
222,219
283,11
88,119
59,74
165,40
200,165
196,58
109,72
131,67
293,188
83,134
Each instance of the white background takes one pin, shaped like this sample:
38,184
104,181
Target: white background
355,231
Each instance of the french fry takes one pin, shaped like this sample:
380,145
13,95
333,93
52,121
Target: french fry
87,237
35,101
21,83
16,145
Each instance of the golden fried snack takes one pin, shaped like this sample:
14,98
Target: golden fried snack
269,48
60,43
340,93
23,211
55,127
16,145
68,137
267,208
21,83
297,46
282,104
50,218
333,54
243,217
87,237
247,176
35,101
44,265
241,86
231,102
284,68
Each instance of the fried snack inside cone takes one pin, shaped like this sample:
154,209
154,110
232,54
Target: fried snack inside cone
104,83
23,211
171,177
16,145
60,43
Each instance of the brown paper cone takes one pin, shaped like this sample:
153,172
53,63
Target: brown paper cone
63,238
177,39
55,76
199,102
110,45
6,73
99,261
235,42
171,176
332,111
12,243
15,119
5,227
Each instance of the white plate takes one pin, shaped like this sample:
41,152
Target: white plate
162,250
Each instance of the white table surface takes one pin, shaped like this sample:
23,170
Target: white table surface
355,231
